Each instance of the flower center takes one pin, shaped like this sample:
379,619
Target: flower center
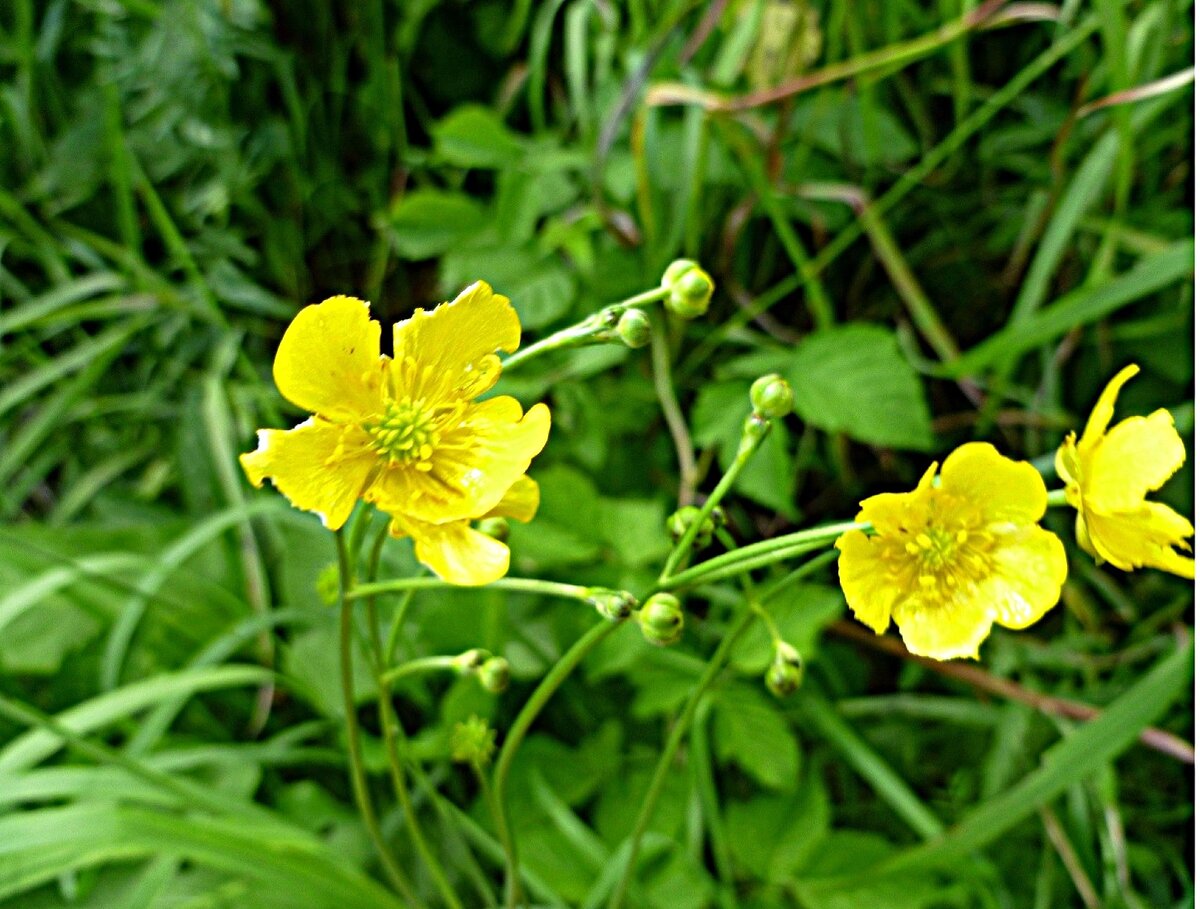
952,553
407,434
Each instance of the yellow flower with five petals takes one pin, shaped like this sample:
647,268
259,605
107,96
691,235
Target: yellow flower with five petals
954,556
1109,472
405,432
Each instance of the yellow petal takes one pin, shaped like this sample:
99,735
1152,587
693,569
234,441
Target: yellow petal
328,361
473,467
869,591
1066,460
320,466
1138,455
1143,538
1029,566
1004,490
950,628
1102,413
891,512
454,551
455,345
1083,538
520,502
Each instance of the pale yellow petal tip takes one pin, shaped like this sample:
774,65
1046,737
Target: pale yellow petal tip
496,308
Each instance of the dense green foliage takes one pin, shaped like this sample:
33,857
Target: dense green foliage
178,177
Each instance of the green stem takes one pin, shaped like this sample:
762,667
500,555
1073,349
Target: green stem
1056,498
358,775
680,728
512,741
664,389
757,555
416,667
683,724
752,436
586,331
512,883
525,585
393,734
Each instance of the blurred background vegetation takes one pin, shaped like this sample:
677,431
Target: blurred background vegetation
942,221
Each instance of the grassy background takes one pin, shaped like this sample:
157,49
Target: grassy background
178,177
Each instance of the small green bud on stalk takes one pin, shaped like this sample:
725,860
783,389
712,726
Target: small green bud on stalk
473,742
661,619
470,660
633,328
772,397
496,528
786,671
494,675
679,521
614,605
691,288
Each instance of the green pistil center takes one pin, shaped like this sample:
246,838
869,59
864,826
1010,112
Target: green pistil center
407,433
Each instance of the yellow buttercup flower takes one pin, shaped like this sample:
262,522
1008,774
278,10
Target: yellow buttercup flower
950,558
404,432
1108,474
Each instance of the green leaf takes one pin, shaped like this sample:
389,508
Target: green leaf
428,222
853,379
474,136
773,835
801,613
750,731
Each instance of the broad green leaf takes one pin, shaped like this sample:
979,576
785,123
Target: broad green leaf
428,222
750,731
773,835
853,379
474,136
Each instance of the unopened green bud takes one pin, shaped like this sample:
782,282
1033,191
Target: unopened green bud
691,288
473,742
470,660
786,671
614,605
772,396
661,618
496,528
494,674
633,328
681,520
329,585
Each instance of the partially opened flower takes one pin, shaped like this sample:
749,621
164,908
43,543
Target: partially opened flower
949,559
1109,472
404,432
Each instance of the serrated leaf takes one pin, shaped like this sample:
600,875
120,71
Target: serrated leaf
750,731
774,835
853,379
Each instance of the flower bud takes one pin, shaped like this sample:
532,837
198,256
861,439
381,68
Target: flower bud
772,396
691,288
614,605
494,674
496,528
786,671
633,328
681,520
661,618
473,742
470,660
